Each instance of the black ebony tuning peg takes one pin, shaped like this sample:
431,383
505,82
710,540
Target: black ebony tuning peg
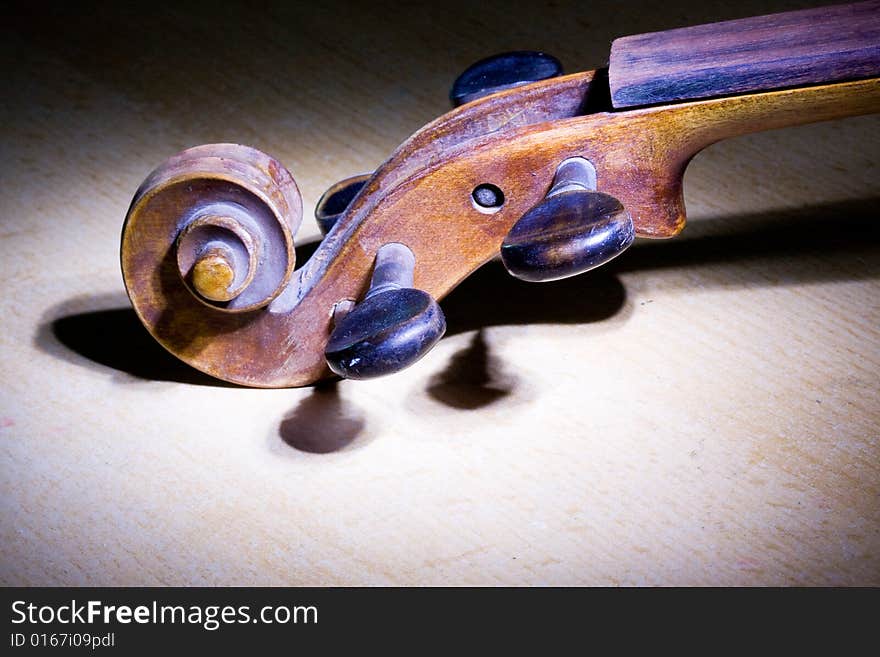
336,199
393,327
574,229
500,72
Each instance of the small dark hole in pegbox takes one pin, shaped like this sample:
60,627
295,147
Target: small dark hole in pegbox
488,196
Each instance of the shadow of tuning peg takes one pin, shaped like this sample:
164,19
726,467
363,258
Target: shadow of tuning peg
501,72
336,199
574,229
393,327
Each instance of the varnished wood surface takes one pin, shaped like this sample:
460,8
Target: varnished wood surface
703,412
812,46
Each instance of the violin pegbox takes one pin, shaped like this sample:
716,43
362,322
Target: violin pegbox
488,76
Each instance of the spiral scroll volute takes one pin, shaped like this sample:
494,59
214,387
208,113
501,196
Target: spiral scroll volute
208,242
227,213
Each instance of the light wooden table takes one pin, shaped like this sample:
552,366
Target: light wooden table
703,411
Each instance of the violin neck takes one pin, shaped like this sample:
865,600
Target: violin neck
799,48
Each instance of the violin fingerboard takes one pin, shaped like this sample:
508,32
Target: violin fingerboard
762,53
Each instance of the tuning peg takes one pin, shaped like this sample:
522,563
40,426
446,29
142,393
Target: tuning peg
336,199
574,229
393,327
500,72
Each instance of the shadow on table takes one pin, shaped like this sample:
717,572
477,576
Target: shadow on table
322,423
472,379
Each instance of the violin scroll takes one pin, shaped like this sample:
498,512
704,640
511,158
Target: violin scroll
227,214
207,242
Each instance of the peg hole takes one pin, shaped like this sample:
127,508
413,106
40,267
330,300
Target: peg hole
487,198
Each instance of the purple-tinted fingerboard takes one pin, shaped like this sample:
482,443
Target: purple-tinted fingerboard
812,46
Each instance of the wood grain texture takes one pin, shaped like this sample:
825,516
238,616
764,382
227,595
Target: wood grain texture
812,46
702,411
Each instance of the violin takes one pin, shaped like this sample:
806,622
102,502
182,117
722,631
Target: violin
557,174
